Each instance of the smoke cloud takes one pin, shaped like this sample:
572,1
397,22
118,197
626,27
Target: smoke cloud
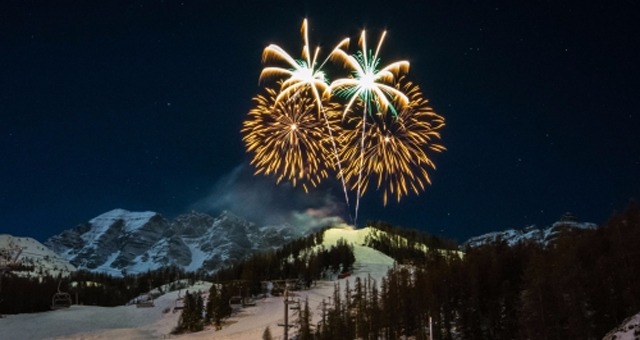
260,200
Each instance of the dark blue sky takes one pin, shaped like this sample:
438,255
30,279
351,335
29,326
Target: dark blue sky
138,105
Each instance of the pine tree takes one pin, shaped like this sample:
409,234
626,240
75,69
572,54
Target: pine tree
359,306
212,302
191,316
374,311
334,325
266,335
304,322
217,308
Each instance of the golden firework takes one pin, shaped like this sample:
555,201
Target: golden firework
287,139
368,87
373,127
303,76
394,153
299,74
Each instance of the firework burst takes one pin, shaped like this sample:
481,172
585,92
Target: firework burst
368,87
287,139
368,83
373,126
304,75
394,154
300,74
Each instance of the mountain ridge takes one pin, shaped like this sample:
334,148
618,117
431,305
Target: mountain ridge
532,233
120,241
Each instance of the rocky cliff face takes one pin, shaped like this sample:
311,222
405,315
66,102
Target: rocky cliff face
120,241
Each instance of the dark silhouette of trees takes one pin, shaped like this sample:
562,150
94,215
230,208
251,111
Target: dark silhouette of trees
304,322
191,319
579,286
304,259
266,335
217,307
26,295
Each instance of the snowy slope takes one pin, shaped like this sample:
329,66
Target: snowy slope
35,255
90,322
129,322
629,329
366,258
131,221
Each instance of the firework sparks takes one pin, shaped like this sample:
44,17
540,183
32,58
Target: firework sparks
287,139
368,83
374,122
304,75
301,74
395,150
370,87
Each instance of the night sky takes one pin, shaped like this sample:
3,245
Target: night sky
139,104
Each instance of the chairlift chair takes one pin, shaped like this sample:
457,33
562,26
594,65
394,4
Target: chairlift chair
61,299
235,302
179,304
248,302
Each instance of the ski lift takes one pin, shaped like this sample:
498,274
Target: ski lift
248,302
276,291
179,304
235,302
60,299
145,303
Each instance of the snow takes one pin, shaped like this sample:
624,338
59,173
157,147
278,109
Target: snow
133,221
90,322
36,254
106,267
532,233
197,257
129,322
628,330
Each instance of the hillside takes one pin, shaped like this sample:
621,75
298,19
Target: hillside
580,285
82,322
629,329
34,259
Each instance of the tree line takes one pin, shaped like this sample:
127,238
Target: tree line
35,294
292,261
303,260
580,286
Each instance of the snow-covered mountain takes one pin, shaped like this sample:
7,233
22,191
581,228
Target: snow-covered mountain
121,241
130,322
30,258
541,235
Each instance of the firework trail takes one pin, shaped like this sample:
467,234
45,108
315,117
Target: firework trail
369,86
304,74
394,153
379,126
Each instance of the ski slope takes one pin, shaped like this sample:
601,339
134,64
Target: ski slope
130,322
